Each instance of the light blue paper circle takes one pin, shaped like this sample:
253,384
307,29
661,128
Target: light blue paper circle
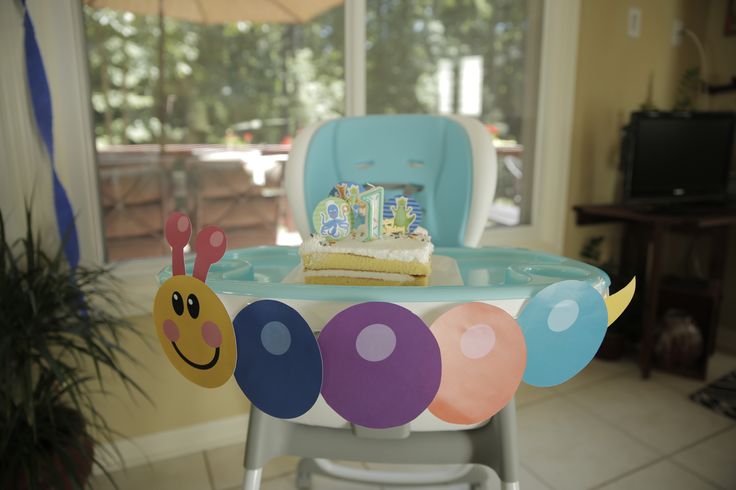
276,338
563,326
563,315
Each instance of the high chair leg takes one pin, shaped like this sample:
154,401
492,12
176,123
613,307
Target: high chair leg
260,446
498,448
252,479
492,446
304,471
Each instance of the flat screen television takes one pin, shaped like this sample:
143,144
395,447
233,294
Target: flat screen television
670,157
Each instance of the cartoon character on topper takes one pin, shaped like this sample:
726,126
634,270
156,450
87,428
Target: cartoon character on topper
336,224
192,324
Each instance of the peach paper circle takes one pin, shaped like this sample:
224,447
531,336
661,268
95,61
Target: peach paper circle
477,341
483,359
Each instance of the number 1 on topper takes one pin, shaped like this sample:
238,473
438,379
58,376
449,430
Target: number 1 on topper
374,212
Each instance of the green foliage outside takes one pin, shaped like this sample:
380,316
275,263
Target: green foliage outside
263,82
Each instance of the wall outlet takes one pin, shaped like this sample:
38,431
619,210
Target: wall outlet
677,28
633,28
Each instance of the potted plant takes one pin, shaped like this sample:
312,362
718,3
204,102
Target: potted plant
61,332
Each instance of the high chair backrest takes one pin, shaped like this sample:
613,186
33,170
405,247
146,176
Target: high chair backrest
446,163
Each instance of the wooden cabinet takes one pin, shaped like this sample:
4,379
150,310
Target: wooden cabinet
649,232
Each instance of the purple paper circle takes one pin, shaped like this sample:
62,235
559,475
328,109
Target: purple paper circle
388,391
375,342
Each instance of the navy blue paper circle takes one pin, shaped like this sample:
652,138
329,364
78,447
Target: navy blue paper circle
279,365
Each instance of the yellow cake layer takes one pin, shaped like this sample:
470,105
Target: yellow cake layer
319,261
363,281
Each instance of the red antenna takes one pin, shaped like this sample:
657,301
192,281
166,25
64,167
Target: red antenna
178,230
211,245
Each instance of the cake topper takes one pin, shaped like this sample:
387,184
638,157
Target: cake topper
333,218
348,207
350,192
404,214
373,199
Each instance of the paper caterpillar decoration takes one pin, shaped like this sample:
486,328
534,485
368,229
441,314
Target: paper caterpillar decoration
192,324
377,364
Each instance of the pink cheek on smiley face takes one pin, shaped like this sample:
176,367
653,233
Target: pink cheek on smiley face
211,334
171,331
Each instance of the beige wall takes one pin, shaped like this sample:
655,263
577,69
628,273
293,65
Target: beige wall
176,401
721,51
615,75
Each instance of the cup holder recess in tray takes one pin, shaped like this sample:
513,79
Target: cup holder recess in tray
556,271
226,270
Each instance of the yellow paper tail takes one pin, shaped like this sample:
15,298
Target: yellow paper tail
617,303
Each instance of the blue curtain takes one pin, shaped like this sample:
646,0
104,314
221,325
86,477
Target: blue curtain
38,86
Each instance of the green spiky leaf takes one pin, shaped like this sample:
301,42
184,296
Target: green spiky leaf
61,334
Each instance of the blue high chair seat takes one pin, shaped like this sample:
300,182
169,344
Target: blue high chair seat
448,164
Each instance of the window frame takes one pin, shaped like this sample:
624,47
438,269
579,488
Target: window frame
553,131
60,28
552,147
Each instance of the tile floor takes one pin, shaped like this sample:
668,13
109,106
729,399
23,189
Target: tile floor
604,429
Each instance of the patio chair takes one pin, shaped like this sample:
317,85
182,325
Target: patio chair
448,164
237,190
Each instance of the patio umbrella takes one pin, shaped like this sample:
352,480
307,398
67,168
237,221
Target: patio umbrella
216,12
224,11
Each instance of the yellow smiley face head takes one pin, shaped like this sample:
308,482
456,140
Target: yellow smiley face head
192,324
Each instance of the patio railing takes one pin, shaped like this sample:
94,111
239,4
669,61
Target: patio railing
238,188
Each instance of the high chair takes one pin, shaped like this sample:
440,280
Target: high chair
448,164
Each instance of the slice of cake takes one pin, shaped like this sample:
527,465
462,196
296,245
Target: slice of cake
392,260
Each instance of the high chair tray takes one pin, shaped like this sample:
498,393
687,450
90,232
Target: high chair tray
502,277
461,274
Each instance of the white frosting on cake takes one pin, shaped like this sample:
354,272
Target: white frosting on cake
383,276
416,247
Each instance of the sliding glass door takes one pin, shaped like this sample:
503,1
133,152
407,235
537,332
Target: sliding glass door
197,114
